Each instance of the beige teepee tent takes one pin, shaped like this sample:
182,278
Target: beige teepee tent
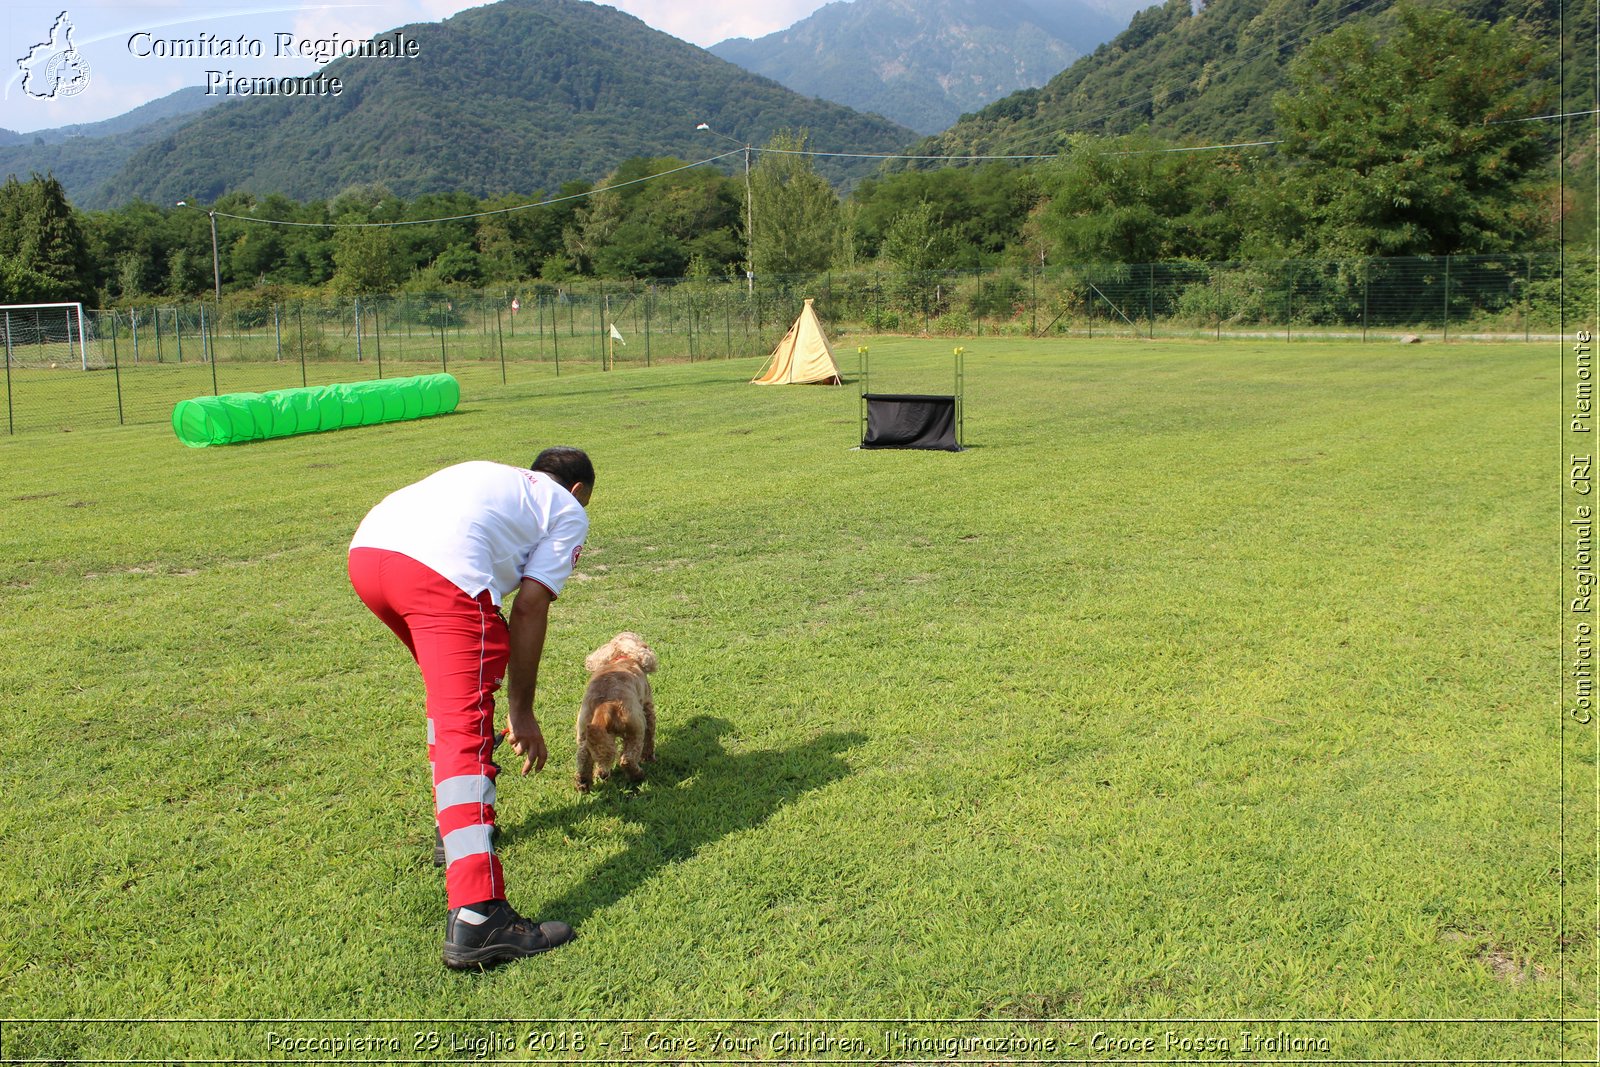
802,356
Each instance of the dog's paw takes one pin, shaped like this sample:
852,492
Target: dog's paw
635,774
581,784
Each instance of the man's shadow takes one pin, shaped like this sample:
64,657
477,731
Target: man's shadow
694,794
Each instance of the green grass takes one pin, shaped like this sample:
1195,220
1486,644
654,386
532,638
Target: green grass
68,400
1212,682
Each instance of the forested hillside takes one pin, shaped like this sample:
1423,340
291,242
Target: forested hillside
176,105
84,156
518,96
1210,76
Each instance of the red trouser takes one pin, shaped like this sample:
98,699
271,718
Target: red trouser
462,646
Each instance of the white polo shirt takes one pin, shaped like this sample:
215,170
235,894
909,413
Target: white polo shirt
483,526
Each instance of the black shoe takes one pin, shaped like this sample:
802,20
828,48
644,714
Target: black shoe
502,935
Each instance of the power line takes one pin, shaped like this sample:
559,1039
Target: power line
474,214
1182,149
1051,155
691,166
1194,148
1541,118
892,155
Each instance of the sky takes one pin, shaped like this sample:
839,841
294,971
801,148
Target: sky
124,49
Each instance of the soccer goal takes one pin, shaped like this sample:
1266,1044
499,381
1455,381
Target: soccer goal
44,336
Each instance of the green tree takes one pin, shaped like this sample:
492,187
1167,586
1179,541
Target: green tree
43,243
460,264
181,276
1136,199
651,217
918,246
983,207
917,241
21,285
1411,145
130,270
419,247
136,230
557,267
515,244
187,252
255,255
365,260
502,242
304,253
794,212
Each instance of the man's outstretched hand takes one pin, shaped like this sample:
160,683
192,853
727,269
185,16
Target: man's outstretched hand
527,741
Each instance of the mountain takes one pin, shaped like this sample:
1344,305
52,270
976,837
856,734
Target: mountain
1207,74
85,155
516,97
924,63
180,104
1192,73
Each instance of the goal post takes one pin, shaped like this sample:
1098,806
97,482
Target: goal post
44,335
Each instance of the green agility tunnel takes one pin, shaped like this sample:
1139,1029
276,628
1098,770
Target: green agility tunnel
234,418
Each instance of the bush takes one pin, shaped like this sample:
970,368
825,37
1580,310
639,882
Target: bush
882,319
1232,296
996,297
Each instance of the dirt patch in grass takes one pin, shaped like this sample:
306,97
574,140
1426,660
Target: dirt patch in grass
148,568
1504,963
1508,967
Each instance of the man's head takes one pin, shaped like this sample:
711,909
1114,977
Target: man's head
571,468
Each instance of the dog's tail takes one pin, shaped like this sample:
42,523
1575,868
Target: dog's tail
609,719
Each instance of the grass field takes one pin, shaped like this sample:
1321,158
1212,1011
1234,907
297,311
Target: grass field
1214,682
70,401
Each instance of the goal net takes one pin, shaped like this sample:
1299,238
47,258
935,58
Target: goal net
45,336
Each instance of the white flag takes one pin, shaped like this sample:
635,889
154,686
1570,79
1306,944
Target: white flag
615,334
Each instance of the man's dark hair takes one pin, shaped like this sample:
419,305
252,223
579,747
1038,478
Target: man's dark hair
569,466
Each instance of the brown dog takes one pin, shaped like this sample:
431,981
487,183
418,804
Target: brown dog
617,704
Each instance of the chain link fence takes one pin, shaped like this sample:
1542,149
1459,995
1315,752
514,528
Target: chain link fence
133,365
1436,298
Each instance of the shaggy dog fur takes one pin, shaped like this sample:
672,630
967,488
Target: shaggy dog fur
617,705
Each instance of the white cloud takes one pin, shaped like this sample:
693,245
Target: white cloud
709,21
703,23
439,10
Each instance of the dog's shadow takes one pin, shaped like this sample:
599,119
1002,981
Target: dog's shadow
695,793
